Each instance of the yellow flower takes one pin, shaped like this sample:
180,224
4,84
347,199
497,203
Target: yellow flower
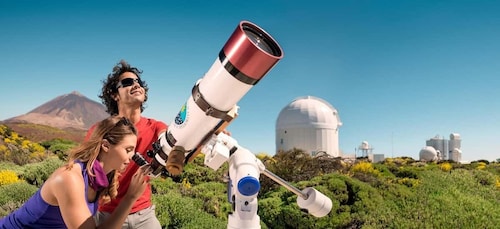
8,177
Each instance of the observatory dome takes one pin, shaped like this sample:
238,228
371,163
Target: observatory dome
308,123
428,153
308,111
364,145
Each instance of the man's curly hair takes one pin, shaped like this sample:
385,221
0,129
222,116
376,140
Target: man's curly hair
109,86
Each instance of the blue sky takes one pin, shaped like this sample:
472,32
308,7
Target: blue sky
398,72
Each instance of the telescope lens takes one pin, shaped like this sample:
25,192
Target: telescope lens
261,40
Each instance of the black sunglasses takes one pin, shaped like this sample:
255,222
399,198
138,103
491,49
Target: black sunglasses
127,82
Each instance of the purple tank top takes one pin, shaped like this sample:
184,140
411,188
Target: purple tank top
36,213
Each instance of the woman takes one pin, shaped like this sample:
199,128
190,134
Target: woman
69,197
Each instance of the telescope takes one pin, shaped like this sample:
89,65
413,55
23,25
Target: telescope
246,57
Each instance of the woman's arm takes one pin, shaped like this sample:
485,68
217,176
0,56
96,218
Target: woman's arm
137,186
68,190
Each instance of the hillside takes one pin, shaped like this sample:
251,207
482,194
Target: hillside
397,193
39,133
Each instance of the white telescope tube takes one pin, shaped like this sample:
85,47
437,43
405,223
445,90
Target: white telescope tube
246,57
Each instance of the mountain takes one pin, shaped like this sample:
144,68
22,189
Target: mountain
66,116
72,110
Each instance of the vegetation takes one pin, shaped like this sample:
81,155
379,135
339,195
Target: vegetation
8,177
58,146
18,149
40,133
396,193
13,195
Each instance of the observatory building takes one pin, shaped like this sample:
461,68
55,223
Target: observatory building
440,146
365,150
443,149
310,124
454,146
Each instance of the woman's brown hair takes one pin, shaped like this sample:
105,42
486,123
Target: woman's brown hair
112,129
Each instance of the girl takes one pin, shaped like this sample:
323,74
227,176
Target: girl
69,197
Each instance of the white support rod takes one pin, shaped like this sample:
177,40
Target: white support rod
285,184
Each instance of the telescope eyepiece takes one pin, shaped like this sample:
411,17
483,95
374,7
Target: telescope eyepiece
139,159
156,168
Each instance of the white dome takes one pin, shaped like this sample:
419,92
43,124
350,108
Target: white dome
365,145
308,111
310,124
428,153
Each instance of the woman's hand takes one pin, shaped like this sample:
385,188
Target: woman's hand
139,182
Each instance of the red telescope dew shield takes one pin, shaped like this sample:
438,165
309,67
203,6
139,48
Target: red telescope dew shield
250,53
246,57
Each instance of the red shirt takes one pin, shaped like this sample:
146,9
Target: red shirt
148,131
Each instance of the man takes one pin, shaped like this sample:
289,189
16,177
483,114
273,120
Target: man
124,93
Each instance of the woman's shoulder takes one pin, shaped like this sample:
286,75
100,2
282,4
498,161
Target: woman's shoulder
63,181
67,175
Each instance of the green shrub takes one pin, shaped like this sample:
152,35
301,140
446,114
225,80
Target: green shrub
37,173
58,144
269,210
7,165
383,169
162,186
214,197
60,147
484,177
406,172
196,173
12,196
177,211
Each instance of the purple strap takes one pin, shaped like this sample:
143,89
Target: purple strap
100,180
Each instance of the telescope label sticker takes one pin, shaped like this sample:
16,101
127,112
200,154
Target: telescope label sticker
182,115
